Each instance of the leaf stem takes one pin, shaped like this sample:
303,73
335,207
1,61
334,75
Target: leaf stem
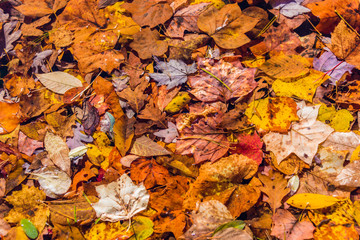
216,78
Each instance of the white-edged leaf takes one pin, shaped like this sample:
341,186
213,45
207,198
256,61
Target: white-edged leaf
59,82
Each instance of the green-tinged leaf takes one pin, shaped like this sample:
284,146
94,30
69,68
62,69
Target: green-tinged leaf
239,224
29,228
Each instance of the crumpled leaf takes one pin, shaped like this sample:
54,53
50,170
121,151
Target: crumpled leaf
173,73
207,218
286,226
349,175
120,200
236,81
170,134
149,12
59,82
58,151
303,138
343,141
326,63
144,146
227,26
53,181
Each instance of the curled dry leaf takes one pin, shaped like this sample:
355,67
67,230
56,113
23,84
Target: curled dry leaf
120,200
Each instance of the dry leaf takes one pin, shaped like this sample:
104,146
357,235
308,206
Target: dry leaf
120,200
144,146
59,82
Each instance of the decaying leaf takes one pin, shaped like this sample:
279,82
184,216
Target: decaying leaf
120,200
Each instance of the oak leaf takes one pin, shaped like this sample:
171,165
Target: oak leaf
227,26
148,12
275,187
120,200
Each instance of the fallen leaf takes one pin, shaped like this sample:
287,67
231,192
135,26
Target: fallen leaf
173,73
207,218
287,227
275,187
222,81
248,145
349,175
272,114
343,141
59,82
227,26
120,200
149,13
58,151
9,119
35,9
170,134
311,201
144,146
147,43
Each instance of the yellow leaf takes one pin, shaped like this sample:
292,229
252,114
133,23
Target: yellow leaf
272,114
311,201
286,66
338,120
355,155
303,88
178,102
108,230
216,3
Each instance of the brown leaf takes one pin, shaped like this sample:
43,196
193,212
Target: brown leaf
135,98
149,12
35,8
203,140
144,146
123,134
32,28
237,81
147,43
185,20
227,26
152,112
275,187
287,227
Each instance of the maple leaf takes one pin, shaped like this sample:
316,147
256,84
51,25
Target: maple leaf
120,200
222,81
275,187
303,138
174,72
203,140
135,98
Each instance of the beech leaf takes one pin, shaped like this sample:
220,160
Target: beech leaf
59,82
120,200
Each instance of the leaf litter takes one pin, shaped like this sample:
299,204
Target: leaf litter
179,119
